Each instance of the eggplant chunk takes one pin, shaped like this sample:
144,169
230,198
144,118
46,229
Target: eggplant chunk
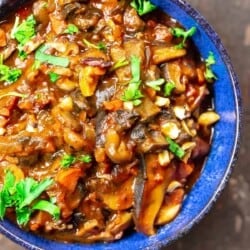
171,207
154,187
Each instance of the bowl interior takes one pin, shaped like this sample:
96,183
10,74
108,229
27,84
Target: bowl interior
218,164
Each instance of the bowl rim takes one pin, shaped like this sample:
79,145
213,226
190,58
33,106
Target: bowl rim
213,36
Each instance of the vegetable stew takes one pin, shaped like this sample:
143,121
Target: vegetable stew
106,118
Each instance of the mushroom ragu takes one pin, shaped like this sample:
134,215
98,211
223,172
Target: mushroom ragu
105,117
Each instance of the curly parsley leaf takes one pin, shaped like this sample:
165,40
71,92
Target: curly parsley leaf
25,31
67,160
185,34
8,74
71,29
210,61
53,77
168,88
85,158
21,195
133,92
143,6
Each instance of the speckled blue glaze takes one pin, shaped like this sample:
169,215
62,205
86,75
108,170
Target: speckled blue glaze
217,167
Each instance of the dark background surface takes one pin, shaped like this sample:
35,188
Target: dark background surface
227,226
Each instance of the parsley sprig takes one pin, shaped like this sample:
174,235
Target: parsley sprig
143,6
133,93
22,195
68,160
209,74
185,34
23,33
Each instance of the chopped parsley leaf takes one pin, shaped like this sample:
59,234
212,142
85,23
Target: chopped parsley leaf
25,31
168,88
71,29
53,77
85,158
21,195
67,160
185,34
143,6
209,74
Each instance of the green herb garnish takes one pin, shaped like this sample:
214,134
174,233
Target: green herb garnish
71,29
179,32
9,75
209,74
25,31
22,55
100,45
85,158
67,160
48,207
175,148
133,93
143,6
22,194
156,84
53,76
168,88
119,64
42,57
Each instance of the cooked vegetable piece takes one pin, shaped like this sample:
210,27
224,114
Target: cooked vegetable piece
165,54
158,178
20,195
25,31
107,121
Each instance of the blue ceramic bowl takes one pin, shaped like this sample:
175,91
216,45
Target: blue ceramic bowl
219,163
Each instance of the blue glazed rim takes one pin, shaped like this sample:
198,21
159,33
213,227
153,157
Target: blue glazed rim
219,164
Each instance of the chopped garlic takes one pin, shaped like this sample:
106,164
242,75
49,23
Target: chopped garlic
181,112
66,103
162,101
170,129
128,106
164,158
